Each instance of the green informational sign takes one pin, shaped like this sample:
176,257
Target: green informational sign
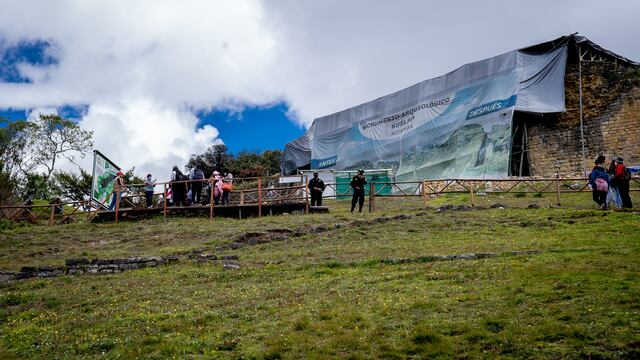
343,181
104,171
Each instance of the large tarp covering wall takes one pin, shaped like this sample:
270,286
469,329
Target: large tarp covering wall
296,155
454,126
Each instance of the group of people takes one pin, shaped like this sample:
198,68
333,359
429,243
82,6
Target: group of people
610,185
190,192
316,187
183,190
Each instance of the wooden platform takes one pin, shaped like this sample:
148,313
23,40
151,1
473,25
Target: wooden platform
232,211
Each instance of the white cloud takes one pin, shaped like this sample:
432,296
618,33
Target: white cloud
148,135
142,66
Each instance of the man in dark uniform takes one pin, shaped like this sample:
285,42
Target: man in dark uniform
316,187
357,183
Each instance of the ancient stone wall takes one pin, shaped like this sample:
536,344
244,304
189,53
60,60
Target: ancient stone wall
611,116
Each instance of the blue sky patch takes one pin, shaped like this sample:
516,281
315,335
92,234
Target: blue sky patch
33,52
254,128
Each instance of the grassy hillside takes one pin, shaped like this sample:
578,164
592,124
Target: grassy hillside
555,283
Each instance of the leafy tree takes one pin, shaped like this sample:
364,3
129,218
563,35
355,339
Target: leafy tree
215,157
245,164
13,143
271,160
7,187
76,187
37,186
37,145
130,177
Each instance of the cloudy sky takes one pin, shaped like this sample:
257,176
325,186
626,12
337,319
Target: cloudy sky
159,80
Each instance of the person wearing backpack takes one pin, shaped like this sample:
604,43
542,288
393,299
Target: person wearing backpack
177,186
227,186
197,176
621,178
599,181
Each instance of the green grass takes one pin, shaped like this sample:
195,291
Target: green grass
335,294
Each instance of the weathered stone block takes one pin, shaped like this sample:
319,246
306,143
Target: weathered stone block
75,262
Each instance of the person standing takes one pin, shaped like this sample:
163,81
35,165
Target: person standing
177,186
149,186
227,186
197,176
599,181
316,187
622,178
215,183
613,196
118,187
357,184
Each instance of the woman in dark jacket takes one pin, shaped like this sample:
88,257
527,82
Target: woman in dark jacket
599,181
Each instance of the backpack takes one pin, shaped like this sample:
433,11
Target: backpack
601,184
198,174
180,176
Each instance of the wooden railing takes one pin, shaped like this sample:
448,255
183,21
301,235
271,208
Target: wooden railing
132,195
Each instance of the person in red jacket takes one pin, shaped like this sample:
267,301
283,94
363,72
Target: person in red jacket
621,179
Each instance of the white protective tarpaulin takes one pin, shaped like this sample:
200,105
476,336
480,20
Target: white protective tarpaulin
456,125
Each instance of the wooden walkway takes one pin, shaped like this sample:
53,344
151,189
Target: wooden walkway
232,211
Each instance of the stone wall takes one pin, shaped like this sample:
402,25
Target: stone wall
110,266
611,116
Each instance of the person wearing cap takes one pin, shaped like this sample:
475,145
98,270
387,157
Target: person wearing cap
621,179
357,184
118,187
316,187
215,181
149,187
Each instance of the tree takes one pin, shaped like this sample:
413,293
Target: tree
76,187
271,160
245,164
12,143
214,158
40,143
36,186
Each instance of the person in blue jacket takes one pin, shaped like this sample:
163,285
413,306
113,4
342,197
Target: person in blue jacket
599,181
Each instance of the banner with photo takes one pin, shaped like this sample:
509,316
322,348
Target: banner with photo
104,172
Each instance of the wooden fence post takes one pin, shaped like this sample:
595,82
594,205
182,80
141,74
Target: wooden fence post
424,192
211,201
53,209
117,195
372,197
306,194
164,206
473,202
259,197
241,197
